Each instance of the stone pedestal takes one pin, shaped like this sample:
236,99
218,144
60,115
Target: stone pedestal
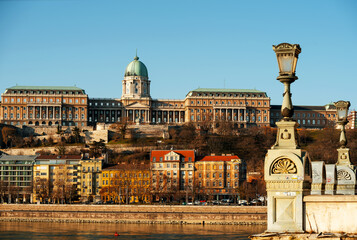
318,177
346,173
330,179
288,176
346,180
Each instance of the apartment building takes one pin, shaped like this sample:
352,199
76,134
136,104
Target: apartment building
219,177
126,183
16,178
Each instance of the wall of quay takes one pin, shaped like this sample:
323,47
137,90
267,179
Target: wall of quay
236,215
331,213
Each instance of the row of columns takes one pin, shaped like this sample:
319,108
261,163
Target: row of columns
144,116
96,117
167,116
223,114
46,110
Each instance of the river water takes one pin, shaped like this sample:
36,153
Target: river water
66,231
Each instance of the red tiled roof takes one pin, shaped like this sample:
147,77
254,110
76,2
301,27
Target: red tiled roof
217,158
55,157
161,153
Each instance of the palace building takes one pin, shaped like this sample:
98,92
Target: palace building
71,106
40,105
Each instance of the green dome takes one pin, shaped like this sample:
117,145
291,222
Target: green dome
136,68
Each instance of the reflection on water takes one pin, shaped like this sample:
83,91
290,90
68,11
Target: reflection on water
66,231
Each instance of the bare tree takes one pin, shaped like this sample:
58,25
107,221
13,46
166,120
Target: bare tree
3,190
42,189
121,127
61,149
7,134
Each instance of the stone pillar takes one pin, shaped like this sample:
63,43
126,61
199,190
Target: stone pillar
330,179
286,173
346,173
318,178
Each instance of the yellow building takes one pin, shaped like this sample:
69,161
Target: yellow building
90,174
126,183
56,178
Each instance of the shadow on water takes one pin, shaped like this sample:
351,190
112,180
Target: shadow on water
66,231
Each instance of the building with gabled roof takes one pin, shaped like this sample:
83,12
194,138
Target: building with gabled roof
172,172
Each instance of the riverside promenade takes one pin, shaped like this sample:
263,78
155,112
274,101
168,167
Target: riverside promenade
149,214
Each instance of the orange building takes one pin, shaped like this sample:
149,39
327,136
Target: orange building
172,173
352,120
219,176
41,105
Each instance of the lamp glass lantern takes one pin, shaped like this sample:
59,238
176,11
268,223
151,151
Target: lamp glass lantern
287,55
342,110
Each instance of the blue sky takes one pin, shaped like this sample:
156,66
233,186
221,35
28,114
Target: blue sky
184,44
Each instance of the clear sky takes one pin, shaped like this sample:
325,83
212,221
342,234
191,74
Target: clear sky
184,44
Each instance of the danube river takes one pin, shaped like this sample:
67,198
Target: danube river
66,231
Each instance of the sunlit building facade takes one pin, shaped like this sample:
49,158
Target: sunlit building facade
70,106
308,116
44,106
220,176
126,183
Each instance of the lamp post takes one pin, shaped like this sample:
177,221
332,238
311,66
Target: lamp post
287,55
346,172
342,112
343,151
286,166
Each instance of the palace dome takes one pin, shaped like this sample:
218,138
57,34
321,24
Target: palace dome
136,68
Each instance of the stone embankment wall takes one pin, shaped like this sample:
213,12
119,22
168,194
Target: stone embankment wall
135,214
331,213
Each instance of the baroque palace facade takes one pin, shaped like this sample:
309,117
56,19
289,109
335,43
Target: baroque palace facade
71,106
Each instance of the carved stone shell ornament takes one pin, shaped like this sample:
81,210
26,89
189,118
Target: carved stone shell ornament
343,175
284,166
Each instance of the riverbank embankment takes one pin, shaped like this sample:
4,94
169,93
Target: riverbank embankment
149,214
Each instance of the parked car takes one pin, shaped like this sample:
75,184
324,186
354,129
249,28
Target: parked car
196,202
242,202
226,201
254,202
215,202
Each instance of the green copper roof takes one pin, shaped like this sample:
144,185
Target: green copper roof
227,90
136,68
45,88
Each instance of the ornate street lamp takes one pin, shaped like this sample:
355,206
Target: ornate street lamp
342,113
287,55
